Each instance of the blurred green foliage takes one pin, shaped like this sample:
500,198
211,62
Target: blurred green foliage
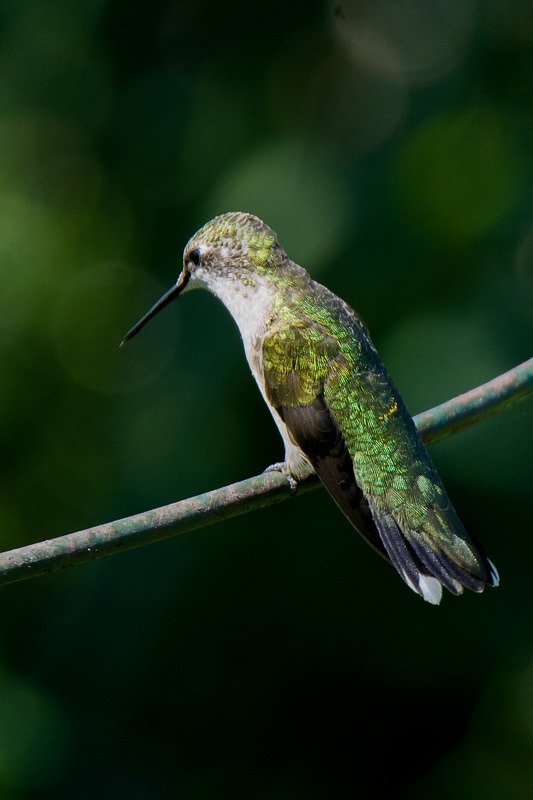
275,656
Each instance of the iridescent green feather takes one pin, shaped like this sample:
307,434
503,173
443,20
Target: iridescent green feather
327,350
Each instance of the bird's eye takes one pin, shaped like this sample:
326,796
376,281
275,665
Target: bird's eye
194,256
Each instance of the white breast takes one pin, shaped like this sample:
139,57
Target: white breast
249,302
251,305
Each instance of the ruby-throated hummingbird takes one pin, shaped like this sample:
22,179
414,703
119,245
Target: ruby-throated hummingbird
334,403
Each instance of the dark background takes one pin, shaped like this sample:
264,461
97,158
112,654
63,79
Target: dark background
275,656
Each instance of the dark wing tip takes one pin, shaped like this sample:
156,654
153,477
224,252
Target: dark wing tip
425,569
316,432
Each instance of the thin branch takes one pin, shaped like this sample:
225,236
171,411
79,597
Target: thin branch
476,405
248,495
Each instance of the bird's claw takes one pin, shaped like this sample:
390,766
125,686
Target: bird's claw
280,466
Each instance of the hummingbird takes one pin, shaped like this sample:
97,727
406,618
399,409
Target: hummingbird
337,409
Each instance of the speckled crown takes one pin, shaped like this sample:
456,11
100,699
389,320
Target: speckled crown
242,233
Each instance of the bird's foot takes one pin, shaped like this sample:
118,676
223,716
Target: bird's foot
281,466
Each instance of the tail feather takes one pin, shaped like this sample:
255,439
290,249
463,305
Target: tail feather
440,565
405,560
426,569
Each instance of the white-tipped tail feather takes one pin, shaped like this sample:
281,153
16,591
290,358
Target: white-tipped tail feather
425,567
430,589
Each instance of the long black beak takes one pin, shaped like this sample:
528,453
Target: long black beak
161,303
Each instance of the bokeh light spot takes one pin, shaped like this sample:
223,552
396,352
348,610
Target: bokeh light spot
435,356
458,175
418,39
300,193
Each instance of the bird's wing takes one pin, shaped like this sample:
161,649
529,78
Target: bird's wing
297,363
375,467
421,531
